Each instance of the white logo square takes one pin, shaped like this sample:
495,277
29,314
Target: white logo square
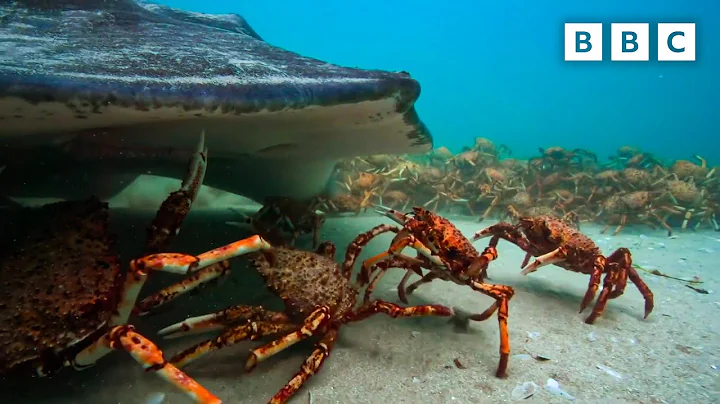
630,42
583,42
676,42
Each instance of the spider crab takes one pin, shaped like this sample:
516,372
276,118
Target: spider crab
318,298
280,216
553,241
66,301
557,156
448,255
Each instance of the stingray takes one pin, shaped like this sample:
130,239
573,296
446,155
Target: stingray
94,93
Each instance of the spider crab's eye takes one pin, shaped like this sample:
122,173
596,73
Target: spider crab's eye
432,240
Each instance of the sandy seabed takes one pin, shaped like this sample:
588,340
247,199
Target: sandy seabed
673,356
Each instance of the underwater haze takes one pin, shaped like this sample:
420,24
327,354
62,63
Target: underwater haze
254,226
496,69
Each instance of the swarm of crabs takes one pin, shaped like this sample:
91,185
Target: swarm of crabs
631,187
68,298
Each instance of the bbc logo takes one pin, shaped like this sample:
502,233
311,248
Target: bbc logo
630,42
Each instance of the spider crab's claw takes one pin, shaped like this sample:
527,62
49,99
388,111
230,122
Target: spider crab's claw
397,216
481,234
478,267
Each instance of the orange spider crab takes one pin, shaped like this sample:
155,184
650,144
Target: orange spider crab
318,297
552,241
448,255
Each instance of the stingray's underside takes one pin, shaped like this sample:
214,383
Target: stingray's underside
94,93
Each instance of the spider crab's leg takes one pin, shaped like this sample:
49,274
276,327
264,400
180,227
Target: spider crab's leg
311,365
237,322
557,255
643,288
620,263
167,262
395,215
611,278
139,269
219,320
427,278
396,311
124,337
250,331
322,349
411,267
313,323
402,288
598,269
619,287
355,247
507,232
199,278
501,293
402,239
212,261
176,206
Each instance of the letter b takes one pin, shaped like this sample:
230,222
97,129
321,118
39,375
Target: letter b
583,41
630,42
629,38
